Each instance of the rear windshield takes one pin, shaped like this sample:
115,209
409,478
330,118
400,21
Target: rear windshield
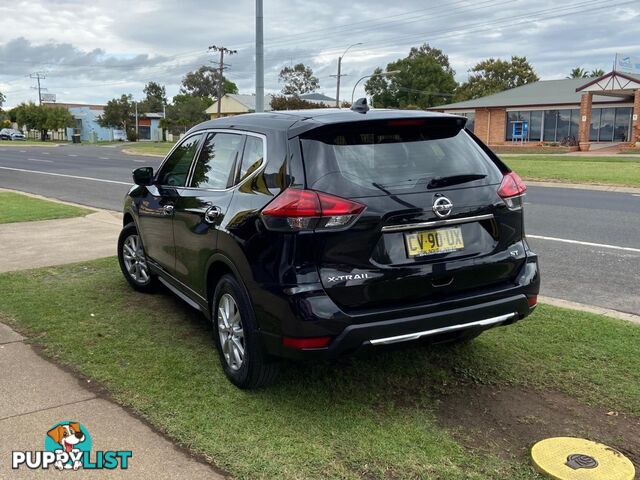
373,158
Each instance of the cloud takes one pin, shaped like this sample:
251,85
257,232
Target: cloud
94,51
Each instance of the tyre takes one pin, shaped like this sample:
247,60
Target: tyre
236,335
133,262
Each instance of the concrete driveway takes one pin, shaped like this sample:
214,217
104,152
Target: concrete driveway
55,242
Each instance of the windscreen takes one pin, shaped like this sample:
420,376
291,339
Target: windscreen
392,157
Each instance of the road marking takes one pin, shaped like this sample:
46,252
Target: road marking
588,244
45,153
140,161
636,194
72,155
39,160
23,151
103,158
66,176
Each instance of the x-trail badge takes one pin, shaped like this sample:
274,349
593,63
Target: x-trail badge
442,207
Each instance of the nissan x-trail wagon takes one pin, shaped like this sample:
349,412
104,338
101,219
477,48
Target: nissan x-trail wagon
313,234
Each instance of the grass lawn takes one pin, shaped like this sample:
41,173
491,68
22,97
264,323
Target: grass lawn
22,208
597,170
149,148
374,417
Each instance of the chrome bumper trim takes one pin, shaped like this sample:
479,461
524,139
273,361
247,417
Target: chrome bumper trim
452,328
436,223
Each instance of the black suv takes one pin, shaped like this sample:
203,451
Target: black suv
311,234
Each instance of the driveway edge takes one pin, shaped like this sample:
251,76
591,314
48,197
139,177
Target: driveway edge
133,152
607,312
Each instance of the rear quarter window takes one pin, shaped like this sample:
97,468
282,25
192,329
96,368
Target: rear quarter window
374,158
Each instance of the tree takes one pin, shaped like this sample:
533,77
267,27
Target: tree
424,79
28,115
298,80
293,102
155,98
42,117
185,112
597,73
578,73
119,113
57,118
204,83
495,75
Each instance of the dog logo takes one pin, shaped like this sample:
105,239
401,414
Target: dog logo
68,437
68,446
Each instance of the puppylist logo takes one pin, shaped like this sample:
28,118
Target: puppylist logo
67,446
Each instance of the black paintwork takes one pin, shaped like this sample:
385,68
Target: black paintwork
287,274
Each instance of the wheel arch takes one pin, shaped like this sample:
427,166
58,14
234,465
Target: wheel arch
220,265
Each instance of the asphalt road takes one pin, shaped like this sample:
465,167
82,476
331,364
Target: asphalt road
562,224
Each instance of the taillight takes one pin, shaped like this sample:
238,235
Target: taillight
296,210
511,190
532,300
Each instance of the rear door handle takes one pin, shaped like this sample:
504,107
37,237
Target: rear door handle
168,209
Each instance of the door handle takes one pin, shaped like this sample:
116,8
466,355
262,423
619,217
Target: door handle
211,214
167,209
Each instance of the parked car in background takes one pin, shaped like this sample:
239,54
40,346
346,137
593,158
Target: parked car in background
11,134
313,234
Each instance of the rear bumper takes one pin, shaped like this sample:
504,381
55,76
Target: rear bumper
359,336
309,312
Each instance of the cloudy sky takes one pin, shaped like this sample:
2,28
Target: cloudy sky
93,51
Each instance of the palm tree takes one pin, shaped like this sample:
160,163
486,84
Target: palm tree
596,73
578,73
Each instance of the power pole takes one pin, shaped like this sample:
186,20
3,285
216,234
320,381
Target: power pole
339,75
38,76
221,69
338,82
259,58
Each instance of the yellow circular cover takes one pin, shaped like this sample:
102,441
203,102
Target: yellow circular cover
566,458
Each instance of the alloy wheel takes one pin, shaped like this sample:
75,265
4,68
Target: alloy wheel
134,260
230,332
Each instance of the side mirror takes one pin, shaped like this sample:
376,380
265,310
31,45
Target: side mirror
143,176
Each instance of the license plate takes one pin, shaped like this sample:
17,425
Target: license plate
429,242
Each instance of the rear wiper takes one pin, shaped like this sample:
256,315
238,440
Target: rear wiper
454,179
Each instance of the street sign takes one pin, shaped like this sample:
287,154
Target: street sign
49,97
626,63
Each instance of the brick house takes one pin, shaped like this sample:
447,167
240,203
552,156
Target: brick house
597,110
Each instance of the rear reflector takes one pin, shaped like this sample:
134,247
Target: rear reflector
296,209
309,342
532,300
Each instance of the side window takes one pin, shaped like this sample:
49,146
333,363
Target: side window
216,167
175,170
252,157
